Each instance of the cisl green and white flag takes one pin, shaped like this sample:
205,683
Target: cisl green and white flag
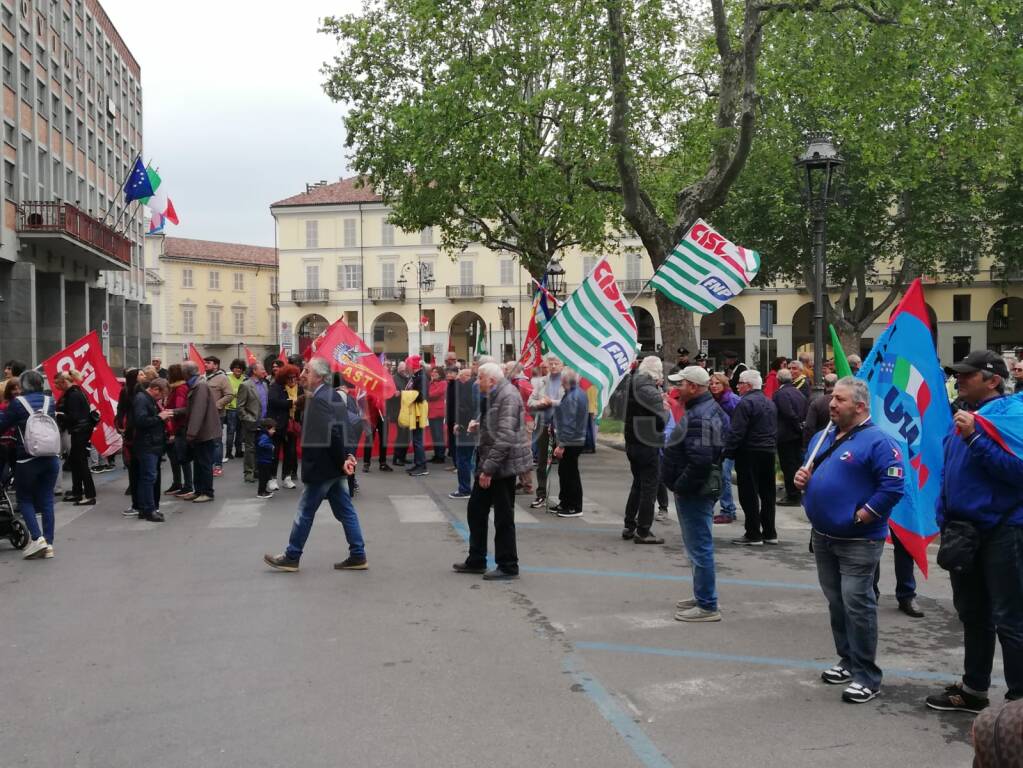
706,270
594,332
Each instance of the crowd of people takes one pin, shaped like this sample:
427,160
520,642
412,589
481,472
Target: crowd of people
502,428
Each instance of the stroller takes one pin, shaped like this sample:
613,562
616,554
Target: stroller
11,525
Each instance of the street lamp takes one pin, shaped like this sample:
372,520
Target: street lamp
507,319
424,282
556,277
818,168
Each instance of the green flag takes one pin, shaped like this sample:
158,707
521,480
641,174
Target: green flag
841,363
481,339
154,180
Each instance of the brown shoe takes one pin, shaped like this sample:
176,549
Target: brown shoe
352,564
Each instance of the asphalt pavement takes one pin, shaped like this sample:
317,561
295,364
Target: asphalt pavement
171,644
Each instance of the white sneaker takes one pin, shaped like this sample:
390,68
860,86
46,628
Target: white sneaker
272,485
48,552
35,549
288,482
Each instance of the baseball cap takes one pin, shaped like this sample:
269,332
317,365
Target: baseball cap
675,378
982,360
696,374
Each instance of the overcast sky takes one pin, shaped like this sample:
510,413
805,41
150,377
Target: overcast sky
234,113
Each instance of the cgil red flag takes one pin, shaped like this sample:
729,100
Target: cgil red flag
99,384
282,355
348,354
195,357
249,357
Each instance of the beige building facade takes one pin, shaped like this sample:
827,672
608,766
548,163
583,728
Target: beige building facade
340,256
218,296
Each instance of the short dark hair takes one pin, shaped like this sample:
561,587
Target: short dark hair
237,363
212,359
267,424
17,367
31,381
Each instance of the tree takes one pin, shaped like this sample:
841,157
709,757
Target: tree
483,119
932,143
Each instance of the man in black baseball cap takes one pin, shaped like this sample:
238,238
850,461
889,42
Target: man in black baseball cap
983,360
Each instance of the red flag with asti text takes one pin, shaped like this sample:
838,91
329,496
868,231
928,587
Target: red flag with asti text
99,384
249,357
348,354
195,357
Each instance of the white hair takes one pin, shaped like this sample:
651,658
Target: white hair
568,376
552,358
855,359
652,365
492,371
753,378
857,389
320,367
784,376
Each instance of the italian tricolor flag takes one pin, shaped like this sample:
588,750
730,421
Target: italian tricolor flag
907,378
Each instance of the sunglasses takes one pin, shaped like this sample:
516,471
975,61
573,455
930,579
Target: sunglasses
1018,370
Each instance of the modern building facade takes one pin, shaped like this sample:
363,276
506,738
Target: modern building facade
70,251
339,256
218,296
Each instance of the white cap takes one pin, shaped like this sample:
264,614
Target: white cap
697,374
675,377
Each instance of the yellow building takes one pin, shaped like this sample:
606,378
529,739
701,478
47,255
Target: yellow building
341,257
215,295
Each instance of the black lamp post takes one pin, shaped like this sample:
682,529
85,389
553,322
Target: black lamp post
424,282
818,169
507,318
556,277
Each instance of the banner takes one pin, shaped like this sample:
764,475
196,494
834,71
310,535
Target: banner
195,357
98,382
250,358
348,354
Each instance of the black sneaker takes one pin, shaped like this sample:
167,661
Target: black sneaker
419,471
352,564
386,468
628,533
478,570
459,495
647,538
836,675
955,699
570,513
281,563
858,694
555,509
538,502
747,542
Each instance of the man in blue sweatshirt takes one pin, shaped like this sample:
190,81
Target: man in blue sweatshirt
850,487
983,485
570,422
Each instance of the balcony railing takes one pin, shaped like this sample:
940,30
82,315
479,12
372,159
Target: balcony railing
66,219
387,293
631,287
455,292
310,296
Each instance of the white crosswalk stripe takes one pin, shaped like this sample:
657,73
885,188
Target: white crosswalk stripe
417,509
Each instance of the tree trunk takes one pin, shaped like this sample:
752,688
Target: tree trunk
677,329
848,336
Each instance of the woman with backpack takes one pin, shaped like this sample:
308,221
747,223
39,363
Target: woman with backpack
37,443
75,417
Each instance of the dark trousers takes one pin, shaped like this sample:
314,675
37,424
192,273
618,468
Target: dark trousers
179,449
81,478
287,445
790,456
571,495
264,472
249,430
437,437
905,579
646,476
401,445
989,601
501,496
234,433
148,493
545,445
380,428
133,478
203,471
755,471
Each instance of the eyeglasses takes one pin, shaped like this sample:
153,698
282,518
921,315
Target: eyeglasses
1018,370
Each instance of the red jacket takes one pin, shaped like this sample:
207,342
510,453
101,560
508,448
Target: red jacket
177,398
437,395
771,384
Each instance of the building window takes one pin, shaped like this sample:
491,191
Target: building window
633,266
214,324
352,318
9,185
26,84
239,322
273,283
426,236
465,271
214,281
312,276
386,232
507,272
9,136
349,277
350,233
239,281
768,317
387,274
187,320
8,68
312,234
961,308
589,262
186,278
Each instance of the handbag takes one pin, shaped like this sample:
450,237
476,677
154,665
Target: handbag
960,543
713,485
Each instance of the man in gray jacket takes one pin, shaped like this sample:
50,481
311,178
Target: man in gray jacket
251,407
545,398
504,453
571,418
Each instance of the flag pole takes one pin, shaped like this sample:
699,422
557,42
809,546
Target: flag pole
125,209
118,222
131,167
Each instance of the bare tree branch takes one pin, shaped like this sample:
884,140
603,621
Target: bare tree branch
869,12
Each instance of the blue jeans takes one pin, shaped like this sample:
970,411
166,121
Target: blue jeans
437,437
845,569
149,464
218,445
335,491
34,481
696,519
463,463
418,452
202,471
989,601
727,504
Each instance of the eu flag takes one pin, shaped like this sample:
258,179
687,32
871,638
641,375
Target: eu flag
138,185
907,401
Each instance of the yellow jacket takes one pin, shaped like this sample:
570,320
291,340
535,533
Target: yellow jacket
413,415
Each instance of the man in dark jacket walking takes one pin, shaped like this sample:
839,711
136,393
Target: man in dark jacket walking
324,469
791,406
691,459
464,405
751,441
645,417
148,418
202,431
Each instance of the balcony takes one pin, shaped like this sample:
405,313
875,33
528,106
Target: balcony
75,235
310,296
387,293
462,292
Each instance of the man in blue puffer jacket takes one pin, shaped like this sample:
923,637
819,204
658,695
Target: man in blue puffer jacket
850,487
983,484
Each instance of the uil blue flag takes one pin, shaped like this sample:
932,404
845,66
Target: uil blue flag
908,402
138,185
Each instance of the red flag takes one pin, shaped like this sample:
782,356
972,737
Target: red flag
195,357
99,383
170,214
348,354
531,356
249,357
281,356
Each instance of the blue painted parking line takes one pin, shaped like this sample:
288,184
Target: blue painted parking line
768,661
644,749
667,577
